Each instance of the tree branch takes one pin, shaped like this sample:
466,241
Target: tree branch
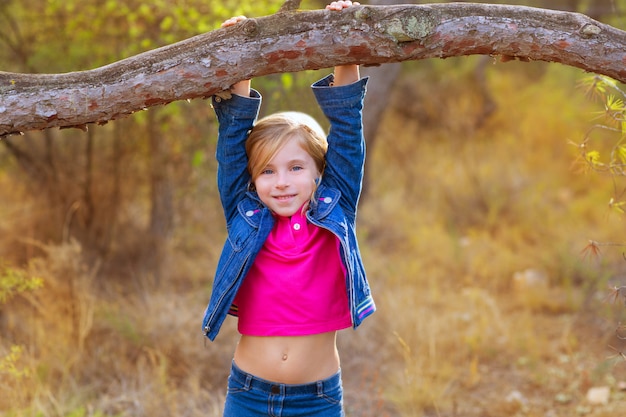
288,42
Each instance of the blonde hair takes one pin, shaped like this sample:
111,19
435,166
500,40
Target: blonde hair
272,132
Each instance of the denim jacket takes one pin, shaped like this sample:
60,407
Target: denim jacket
249,221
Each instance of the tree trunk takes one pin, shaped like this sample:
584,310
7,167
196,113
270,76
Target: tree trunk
382,80
599,8
161,198
295,41
567,5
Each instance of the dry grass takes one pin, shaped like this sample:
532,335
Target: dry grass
474,242
472,239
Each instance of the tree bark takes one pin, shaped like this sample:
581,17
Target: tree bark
293,41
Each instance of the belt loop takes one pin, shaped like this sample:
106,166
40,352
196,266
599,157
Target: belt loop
320,388
248,381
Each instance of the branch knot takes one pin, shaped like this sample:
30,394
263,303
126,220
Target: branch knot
250,27
409,29
289,6
590,30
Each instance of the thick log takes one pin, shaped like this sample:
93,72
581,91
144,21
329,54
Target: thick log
293,41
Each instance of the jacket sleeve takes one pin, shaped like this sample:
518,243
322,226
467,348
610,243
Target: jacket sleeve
345,157
236,117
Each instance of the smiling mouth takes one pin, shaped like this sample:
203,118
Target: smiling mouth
284,197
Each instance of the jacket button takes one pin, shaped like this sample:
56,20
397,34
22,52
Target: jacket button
218,99
249,213
327,200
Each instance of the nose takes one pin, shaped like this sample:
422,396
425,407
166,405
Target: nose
282,180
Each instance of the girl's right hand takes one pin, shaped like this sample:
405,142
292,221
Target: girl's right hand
233,21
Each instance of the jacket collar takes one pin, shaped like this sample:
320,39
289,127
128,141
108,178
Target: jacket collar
326,199
252,208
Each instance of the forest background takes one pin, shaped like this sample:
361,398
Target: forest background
473,226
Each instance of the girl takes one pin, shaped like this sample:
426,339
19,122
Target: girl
291,269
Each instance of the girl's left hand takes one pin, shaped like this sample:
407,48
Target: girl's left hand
233,21
342,4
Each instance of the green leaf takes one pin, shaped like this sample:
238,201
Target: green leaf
197,159
614,104
287,81
167,23
14,281
593,157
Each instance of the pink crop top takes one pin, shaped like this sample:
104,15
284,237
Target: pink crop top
296,285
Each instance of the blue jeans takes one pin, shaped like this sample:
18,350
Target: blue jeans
250,396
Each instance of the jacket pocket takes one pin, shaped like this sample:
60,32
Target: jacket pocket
239,233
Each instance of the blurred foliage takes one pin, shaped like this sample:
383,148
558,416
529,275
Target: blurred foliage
609,158
15,370
71,35
91,185
602,150
14,281
483,269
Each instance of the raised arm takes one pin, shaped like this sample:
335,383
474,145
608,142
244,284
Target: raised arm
342,105
236,116
344,74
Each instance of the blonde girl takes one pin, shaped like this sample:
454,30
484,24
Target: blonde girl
291,269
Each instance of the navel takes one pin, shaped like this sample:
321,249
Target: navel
285,356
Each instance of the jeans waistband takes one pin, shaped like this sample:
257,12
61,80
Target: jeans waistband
317,387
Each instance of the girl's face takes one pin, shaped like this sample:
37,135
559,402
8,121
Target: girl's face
288,180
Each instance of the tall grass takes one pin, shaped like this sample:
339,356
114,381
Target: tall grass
478,235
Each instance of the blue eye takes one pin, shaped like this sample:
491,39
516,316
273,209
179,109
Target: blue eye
297,168
267,172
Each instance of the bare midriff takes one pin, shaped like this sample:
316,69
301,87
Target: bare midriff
289,359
